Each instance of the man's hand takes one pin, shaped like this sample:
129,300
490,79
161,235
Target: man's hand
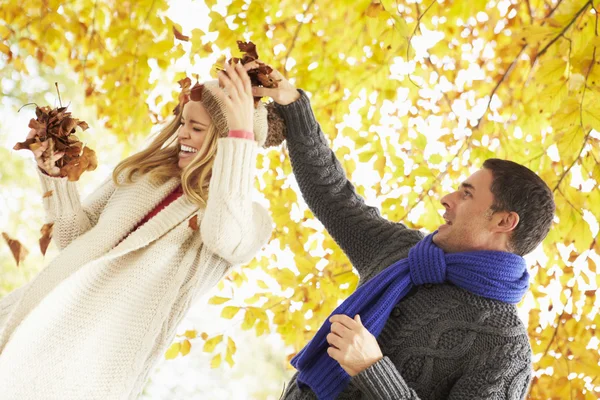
284,94
352,345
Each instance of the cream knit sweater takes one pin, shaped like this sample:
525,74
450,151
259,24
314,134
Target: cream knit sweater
93,323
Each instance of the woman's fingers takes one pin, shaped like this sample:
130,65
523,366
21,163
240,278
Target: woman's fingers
232,81
247,84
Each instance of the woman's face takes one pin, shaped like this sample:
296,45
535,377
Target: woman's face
192,131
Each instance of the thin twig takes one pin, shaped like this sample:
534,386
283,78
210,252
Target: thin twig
504,76
295,37
543,51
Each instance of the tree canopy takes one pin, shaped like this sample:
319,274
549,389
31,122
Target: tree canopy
420,92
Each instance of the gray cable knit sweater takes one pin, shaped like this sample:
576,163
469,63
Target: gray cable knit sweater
441,341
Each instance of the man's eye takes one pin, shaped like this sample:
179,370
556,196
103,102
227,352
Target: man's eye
467,193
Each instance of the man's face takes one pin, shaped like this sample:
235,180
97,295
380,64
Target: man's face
469,225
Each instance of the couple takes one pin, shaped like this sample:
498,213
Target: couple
434,317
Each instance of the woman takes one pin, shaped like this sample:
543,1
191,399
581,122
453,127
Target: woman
162,232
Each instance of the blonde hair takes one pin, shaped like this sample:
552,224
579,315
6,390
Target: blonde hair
161,157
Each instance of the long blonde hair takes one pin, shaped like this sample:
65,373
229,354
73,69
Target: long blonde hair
161,157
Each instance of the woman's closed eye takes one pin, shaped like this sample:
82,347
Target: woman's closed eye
194,127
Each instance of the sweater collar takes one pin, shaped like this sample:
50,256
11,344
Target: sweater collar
145,196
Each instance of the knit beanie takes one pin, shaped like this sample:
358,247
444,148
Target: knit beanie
206,94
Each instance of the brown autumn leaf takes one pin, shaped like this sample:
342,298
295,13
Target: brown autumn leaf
18,250
47,194
179,35
57,127
46,232
184,96
193,222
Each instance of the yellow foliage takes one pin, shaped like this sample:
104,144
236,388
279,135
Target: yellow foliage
541,69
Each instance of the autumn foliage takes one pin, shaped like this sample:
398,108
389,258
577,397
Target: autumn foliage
413,95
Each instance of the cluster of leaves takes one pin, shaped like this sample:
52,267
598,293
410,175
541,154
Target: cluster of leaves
507,79
57,128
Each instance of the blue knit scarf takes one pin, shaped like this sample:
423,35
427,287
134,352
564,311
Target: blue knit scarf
493,274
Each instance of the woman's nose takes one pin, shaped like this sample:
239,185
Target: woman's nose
182,133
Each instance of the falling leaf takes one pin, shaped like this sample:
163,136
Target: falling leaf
210,344
18,250
216,361
229,312
218,300
190,334
185,347
231,348
204,335
193,222
48,194
179,35
46,232
196,92
173,351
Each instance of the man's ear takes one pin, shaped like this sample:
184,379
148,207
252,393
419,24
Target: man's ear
508,221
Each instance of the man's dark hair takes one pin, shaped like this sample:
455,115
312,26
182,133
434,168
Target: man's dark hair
517,188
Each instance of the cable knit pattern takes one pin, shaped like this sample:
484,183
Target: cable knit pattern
93,323
436,335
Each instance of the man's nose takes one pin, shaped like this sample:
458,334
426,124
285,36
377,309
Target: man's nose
446,201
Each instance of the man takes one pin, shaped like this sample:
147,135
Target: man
433,317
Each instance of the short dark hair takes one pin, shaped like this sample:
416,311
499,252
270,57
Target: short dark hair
517,188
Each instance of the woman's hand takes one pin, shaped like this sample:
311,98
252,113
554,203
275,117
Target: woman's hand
238,101
284,94
47,166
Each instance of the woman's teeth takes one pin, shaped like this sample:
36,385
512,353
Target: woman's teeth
188,149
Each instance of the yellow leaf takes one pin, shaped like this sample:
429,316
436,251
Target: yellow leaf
4,48
304,264
173,351
249,319
216,361
185,347
229,358
254,298
262,284
190,334
204,335
218,300
210,344
375,9
229,312
551,71
231,346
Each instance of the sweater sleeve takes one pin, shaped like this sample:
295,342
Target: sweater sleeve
357,228
383,381
503,374
234,227
72,218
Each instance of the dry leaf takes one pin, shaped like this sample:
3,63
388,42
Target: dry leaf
179,35
46,232
193,222
57,127
47,194
18,250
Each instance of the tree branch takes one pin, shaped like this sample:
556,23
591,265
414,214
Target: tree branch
543,51
300,24
504,76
